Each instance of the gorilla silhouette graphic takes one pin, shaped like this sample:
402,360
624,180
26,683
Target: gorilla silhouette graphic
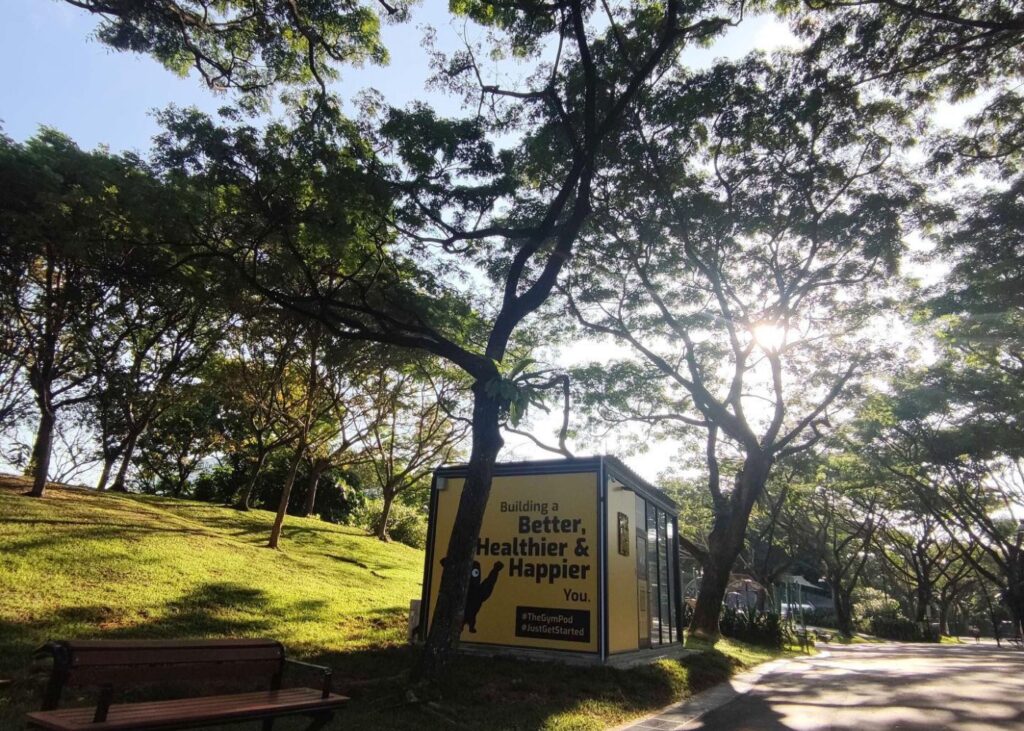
479,591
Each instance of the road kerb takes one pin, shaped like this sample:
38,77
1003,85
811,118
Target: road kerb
680,716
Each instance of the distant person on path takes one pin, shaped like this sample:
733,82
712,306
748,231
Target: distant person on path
976,633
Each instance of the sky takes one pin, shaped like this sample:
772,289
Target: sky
58,76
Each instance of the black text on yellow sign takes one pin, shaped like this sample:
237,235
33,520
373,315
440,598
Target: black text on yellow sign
534,581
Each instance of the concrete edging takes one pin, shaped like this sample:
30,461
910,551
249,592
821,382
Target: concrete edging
680,716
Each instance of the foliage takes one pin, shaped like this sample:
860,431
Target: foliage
231,46
821,618
951,48
180,439
758,628
405,523
871,603
415,430
902,629
68,221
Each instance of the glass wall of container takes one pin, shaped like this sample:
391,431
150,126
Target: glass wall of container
657,573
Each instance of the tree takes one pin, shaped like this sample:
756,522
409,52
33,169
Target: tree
350,414
957,581
922,48
745,249
67,217
234,45
73,437
181,437
771,550
14,391
157,335
361,268
310,401
968,474
917,552
261,369
413,435
840,515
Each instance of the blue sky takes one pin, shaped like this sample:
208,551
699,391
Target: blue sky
57,75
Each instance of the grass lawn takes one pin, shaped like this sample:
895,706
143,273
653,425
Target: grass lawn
857,639
78,564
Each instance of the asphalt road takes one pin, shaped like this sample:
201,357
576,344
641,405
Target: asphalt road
890,686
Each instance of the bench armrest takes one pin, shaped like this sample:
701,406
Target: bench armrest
324,671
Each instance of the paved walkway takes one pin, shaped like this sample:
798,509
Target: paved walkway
865,687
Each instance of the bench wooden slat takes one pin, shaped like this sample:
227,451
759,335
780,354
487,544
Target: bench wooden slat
89,658
100,662
139,674
89,654
189,711
157,644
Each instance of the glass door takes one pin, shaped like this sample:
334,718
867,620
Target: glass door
644,617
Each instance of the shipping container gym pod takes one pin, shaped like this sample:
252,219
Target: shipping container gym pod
577,560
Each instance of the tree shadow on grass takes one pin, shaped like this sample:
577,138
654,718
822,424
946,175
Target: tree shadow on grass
498,693
63,532
491,693
220,609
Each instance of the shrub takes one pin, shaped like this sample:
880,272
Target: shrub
219,484
902,629
822,618
871,603
406,524
757,628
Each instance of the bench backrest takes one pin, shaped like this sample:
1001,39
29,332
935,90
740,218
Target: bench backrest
132,662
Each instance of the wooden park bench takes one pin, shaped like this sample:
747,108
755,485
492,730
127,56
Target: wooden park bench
110,665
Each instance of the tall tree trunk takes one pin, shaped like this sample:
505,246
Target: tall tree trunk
923,597
843,603
724,545
713,583
245,502
286,495
385,513
108,465
1014,595
316,471
451,598
126,462
944,607
42,449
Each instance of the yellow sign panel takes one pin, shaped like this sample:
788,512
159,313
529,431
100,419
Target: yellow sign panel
535,579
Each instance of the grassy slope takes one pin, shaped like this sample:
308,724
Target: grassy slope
79,564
